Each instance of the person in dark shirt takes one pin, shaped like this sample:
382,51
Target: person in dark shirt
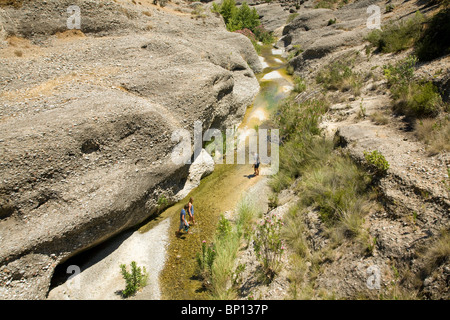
184,225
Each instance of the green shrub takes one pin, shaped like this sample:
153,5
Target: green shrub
401,73
243,18
389,7
237,18
224,227
135,279
162,202
205,260
227,9
435,40
291,17
299,84
268,245
397,36
294,52
377,162
263,35
411,97
418,99
331,22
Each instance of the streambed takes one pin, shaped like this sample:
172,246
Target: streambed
170,259
221,191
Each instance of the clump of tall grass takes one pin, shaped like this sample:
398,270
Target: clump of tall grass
268,245
437,253
299,124
299,84
294,231
337,188
339,75
435,133
294,52
216,262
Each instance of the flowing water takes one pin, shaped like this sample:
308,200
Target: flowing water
171,257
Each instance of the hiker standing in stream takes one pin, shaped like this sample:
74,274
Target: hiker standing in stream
184,225
191,210
256,164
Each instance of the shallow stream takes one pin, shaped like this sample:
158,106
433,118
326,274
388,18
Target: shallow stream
221,191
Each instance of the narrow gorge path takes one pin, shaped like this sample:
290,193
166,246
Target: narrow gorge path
170,260
221,191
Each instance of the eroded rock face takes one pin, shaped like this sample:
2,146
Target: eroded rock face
320,32
87,121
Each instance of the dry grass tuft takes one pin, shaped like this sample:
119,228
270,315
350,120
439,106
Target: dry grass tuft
435,133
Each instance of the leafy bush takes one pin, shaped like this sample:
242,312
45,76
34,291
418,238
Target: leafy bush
135,280
227,9
377,162
299,84
162,201
389,7
402,73
243,18
411,97
237,18
331,22
397,36
264,35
